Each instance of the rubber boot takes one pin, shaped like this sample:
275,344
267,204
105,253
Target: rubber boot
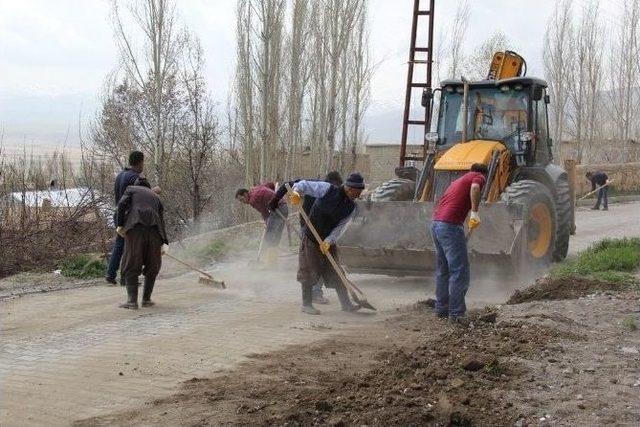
345,301
146,293
132,295
307,298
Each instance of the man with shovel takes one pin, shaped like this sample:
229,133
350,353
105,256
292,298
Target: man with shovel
332,210
600,180
259,197
333,178
141,224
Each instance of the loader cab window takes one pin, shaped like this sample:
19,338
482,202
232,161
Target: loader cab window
496,113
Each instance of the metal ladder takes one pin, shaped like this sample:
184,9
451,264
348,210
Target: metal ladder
426,85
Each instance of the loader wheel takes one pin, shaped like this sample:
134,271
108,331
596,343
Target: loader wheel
539,212
396,190
565,219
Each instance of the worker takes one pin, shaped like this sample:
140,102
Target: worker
141,224
600,180
333,178
259,197
452,262
333,209
125,178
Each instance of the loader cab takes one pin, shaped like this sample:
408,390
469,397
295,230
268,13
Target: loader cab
511,111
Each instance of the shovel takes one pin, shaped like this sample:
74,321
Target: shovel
356,293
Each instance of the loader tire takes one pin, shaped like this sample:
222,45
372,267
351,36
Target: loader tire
564,212
537,243
396,190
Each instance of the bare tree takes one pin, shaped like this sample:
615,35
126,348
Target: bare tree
557,63
476,65
455,51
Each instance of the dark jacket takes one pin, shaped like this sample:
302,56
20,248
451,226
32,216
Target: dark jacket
125,178
598,179
329,210
140,205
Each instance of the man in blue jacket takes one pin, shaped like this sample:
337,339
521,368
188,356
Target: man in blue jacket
125,178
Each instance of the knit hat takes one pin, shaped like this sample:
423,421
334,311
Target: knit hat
355,180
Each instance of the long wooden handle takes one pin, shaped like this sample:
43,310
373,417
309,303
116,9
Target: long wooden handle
334,264
189,265
596,190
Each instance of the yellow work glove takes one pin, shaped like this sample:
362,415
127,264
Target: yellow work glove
474,220
325,247
121,231
295,198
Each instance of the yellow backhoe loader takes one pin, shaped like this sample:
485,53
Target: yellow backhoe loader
527,212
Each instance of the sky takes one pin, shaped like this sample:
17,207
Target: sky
56,54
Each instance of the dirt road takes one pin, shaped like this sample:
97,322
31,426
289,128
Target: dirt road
73,354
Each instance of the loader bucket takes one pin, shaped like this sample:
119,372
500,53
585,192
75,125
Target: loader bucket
394,238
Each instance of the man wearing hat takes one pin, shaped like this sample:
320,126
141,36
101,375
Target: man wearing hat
333,209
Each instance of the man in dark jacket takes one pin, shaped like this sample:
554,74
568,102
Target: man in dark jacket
124,179
600,180
331,212
259,197
141,224
333,178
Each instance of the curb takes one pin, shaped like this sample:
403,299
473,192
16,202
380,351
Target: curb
612,199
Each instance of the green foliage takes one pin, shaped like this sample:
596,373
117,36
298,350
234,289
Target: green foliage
83,267
609,259
630,323
214,250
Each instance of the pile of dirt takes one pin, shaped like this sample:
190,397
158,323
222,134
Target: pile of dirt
414,370
549,288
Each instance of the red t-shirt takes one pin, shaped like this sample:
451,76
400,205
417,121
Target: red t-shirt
455,203
260,196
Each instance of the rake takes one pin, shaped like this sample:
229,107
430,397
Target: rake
205,278
356,293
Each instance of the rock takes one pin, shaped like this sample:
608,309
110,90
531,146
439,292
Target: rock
488,317
581,406
121,374
456,382
471,364
629,350
579,397
324,406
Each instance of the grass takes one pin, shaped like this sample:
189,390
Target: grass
611,260
630,323
83,267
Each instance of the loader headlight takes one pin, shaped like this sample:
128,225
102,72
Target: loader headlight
431,137
526,136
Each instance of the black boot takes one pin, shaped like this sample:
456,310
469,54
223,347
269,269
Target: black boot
345,301
307,300
132,295
146,293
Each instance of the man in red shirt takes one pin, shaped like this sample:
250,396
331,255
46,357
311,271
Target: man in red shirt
447,229
259,197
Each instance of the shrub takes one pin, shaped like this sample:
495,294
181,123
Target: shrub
83,267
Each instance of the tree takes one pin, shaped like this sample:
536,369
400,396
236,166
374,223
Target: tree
460,24
557,61
476,65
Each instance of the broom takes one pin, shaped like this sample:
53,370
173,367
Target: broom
205,278
356,293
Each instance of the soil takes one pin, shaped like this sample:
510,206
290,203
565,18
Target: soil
567,362
549,288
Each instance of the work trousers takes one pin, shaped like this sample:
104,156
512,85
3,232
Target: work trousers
452,268
275,226
313,265
116,255
142,255
603,197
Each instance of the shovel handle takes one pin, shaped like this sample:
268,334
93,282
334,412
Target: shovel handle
597,189
189,265
350,286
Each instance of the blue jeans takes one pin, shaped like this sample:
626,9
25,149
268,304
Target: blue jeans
602,197
116,255
452,268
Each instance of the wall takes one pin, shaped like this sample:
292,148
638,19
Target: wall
383,159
